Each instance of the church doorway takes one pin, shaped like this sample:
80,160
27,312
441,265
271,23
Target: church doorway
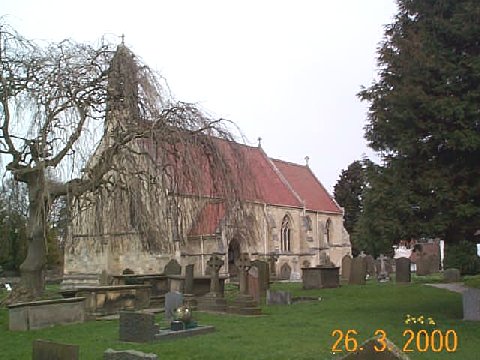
233,255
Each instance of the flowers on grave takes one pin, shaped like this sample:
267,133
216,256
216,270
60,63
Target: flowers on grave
419,322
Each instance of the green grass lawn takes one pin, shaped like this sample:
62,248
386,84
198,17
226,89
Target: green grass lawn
298,331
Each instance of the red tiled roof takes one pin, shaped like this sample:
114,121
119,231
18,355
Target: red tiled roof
208,219
306,185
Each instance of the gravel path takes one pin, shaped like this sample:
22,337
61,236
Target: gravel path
458,287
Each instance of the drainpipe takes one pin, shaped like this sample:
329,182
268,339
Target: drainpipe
265,230
202,255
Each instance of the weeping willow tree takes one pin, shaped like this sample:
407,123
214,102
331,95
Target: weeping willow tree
53,101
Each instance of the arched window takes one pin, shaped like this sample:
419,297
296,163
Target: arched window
285,234
328,231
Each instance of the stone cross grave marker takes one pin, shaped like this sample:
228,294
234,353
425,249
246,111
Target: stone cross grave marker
253,283
403,272
243,264
382,271
173,300
48,350
214,264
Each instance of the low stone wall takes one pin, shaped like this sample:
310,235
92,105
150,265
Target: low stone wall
109,300
41,314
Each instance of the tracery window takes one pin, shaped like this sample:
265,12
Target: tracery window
285,235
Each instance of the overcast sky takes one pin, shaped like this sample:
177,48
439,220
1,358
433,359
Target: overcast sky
286,71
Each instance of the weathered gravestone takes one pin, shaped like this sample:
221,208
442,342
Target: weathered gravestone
346,267
285,272
263,276
403,271
172,268
110,354
423,265
358,271
173,300
371,269
451,275
254,284
279,297
189,297
135,326
48,350
433,263
471,304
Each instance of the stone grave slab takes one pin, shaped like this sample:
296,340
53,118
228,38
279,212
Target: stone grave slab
110,354
48,350
367,352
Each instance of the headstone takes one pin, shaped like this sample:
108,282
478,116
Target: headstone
137,326
110,354
382,268
172,268
371,270
279,297
254,283
188,288
471,304
451,275
346,267
423,265
48,350
358,271
285,272
403,272
173,300
263,276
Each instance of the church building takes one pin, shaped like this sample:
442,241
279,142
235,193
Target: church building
287,216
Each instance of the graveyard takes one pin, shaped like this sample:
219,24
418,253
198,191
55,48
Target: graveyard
299,330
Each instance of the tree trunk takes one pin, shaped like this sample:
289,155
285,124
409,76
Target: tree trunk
32,281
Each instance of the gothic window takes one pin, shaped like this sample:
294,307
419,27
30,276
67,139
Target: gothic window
285,234
328,231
